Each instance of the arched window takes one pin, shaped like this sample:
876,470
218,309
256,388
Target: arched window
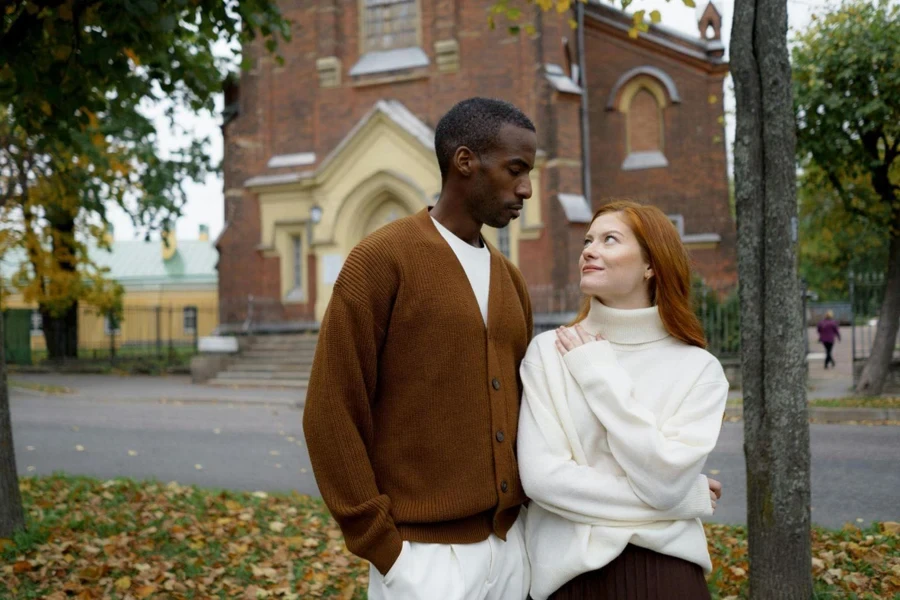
642,96
644,123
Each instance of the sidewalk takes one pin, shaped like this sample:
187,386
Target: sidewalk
163,389
822,384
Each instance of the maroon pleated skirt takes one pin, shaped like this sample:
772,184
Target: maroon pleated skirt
638,574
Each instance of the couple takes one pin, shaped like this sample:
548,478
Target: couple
432,418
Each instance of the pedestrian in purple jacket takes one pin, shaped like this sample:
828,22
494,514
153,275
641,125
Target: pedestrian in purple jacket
829,329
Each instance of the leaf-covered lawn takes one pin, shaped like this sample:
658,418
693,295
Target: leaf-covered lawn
90,539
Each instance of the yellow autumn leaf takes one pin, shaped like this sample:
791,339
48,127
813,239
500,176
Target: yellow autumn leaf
689,3
46,108
131,55
123,583
633,33
563,6
655,16
890,527
145,591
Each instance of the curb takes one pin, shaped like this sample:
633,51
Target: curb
835,415
171,400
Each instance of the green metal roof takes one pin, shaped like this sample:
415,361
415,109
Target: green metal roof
137,263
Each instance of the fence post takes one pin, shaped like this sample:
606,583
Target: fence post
196,329
159,332
805,323
171,341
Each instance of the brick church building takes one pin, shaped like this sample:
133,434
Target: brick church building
338,140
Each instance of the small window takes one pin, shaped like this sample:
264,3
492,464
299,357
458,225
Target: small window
37,323
678,222
503,241
390,24
298,262
111,325
189,318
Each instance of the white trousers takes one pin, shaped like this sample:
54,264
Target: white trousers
489,570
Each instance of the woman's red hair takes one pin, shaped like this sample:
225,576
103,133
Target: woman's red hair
670,286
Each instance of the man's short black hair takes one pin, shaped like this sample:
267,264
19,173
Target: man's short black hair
475,124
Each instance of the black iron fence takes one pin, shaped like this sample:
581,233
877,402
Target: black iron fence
166,333
866,295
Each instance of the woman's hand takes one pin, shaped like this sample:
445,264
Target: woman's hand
715,491
569,338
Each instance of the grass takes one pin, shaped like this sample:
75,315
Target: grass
857,402
115,539
40,387
847,402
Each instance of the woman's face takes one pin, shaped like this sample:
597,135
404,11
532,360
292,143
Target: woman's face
613,267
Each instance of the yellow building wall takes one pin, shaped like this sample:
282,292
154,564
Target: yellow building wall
142,324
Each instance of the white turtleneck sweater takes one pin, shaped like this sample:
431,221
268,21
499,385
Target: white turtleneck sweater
612,438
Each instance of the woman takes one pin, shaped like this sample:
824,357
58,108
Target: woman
619,413
829,330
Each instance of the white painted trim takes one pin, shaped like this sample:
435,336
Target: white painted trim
576,208
300,159
385,61
637,161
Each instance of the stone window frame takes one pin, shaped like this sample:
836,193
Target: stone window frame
662,87
364,7
400,62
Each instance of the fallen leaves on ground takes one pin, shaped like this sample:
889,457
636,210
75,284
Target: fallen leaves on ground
119,539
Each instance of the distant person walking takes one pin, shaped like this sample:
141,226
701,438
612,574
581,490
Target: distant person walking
829,329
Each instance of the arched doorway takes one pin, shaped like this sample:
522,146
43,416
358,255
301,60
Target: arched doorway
386,209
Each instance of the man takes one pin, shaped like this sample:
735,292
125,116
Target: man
413,401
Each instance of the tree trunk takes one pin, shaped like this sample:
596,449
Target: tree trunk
874,373
776,428
61,333
12,517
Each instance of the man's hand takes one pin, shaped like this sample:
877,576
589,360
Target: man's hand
715,491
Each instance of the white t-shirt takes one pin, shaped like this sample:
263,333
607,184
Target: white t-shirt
476,262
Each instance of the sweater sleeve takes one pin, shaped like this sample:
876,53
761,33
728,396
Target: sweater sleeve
337,417
553,478
661,463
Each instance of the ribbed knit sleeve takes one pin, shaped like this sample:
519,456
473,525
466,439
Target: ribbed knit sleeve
662,462
564,484
337,420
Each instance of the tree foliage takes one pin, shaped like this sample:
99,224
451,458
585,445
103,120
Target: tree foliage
77,81
847,100
833,240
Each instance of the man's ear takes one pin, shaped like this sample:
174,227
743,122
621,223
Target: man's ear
465,160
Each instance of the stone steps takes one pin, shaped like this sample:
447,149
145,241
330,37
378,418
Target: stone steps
272,361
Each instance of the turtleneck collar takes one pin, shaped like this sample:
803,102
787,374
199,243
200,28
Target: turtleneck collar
623,326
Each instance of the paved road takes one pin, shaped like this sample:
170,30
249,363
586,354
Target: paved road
855,474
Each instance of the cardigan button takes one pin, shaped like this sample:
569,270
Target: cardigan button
503,486
500,436
496,383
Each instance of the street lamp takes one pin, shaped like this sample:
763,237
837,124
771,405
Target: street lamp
315,215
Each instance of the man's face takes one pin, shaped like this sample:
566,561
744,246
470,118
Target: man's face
501,183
